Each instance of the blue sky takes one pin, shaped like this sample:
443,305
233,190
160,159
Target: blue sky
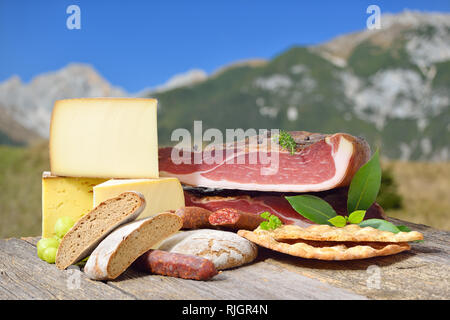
137,44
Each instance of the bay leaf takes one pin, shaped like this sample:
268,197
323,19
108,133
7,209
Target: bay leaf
365,185
312,208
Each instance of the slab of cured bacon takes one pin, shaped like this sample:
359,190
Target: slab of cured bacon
320,162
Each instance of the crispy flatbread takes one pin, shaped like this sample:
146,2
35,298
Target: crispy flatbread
324,250
350,232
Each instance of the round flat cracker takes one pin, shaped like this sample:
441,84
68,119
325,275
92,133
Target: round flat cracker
323,250
350,232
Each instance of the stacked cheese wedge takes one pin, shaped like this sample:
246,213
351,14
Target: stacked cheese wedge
100,148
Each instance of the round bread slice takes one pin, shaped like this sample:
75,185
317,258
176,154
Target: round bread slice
93,227
127,243
224,248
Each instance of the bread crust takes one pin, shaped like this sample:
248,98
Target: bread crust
127,243
224,248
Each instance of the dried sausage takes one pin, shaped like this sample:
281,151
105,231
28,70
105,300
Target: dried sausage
234,219
178,265
194,217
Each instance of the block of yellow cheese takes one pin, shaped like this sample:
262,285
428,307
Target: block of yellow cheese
65,196
104,138
160,194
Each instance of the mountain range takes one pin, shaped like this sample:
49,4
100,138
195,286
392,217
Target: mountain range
389,85
30,104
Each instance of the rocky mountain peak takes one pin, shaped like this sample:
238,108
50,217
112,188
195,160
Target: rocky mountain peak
426,34
31,103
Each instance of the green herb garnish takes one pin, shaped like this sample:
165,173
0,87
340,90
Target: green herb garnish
272,221
286,141
338,221
355,217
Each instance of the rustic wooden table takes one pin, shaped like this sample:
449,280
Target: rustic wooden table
422,273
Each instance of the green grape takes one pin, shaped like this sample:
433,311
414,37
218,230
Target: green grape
49,254
63,225
44,244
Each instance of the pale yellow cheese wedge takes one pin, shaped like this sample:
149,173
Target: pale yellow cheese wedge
163,194
104,138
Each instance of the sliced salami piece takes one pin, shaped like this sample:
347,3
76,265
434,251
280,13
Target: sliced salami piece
235,219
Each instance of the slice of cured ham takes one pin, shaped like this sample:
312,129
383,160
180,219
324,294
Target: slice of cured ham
275,203
320,162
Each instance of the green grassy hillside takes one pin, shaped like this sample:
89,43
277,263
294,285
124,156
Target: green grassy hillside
20,185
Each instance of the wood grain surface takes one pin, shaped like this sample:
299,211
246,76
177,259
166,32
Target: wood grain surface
422,273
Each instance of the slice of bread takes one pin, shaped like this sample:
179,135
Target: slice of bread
127,243
93,227
224,248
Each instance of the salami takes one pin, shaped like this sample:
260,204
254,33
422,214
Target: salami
178,265
194,217
235,219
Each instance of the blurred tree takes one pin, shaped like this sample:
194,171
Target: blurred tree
388,197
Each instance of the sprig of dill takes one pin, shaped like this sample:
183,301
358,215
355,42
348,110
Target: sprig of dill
286,141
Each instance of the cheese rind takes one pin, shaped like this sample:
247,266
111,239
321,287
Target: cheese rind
65,196
161,194
104,138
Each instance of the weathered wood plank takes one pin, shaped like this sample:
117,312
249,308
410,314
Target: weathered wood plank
24,276
436,245
402,276
256,281
31,240
421,273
